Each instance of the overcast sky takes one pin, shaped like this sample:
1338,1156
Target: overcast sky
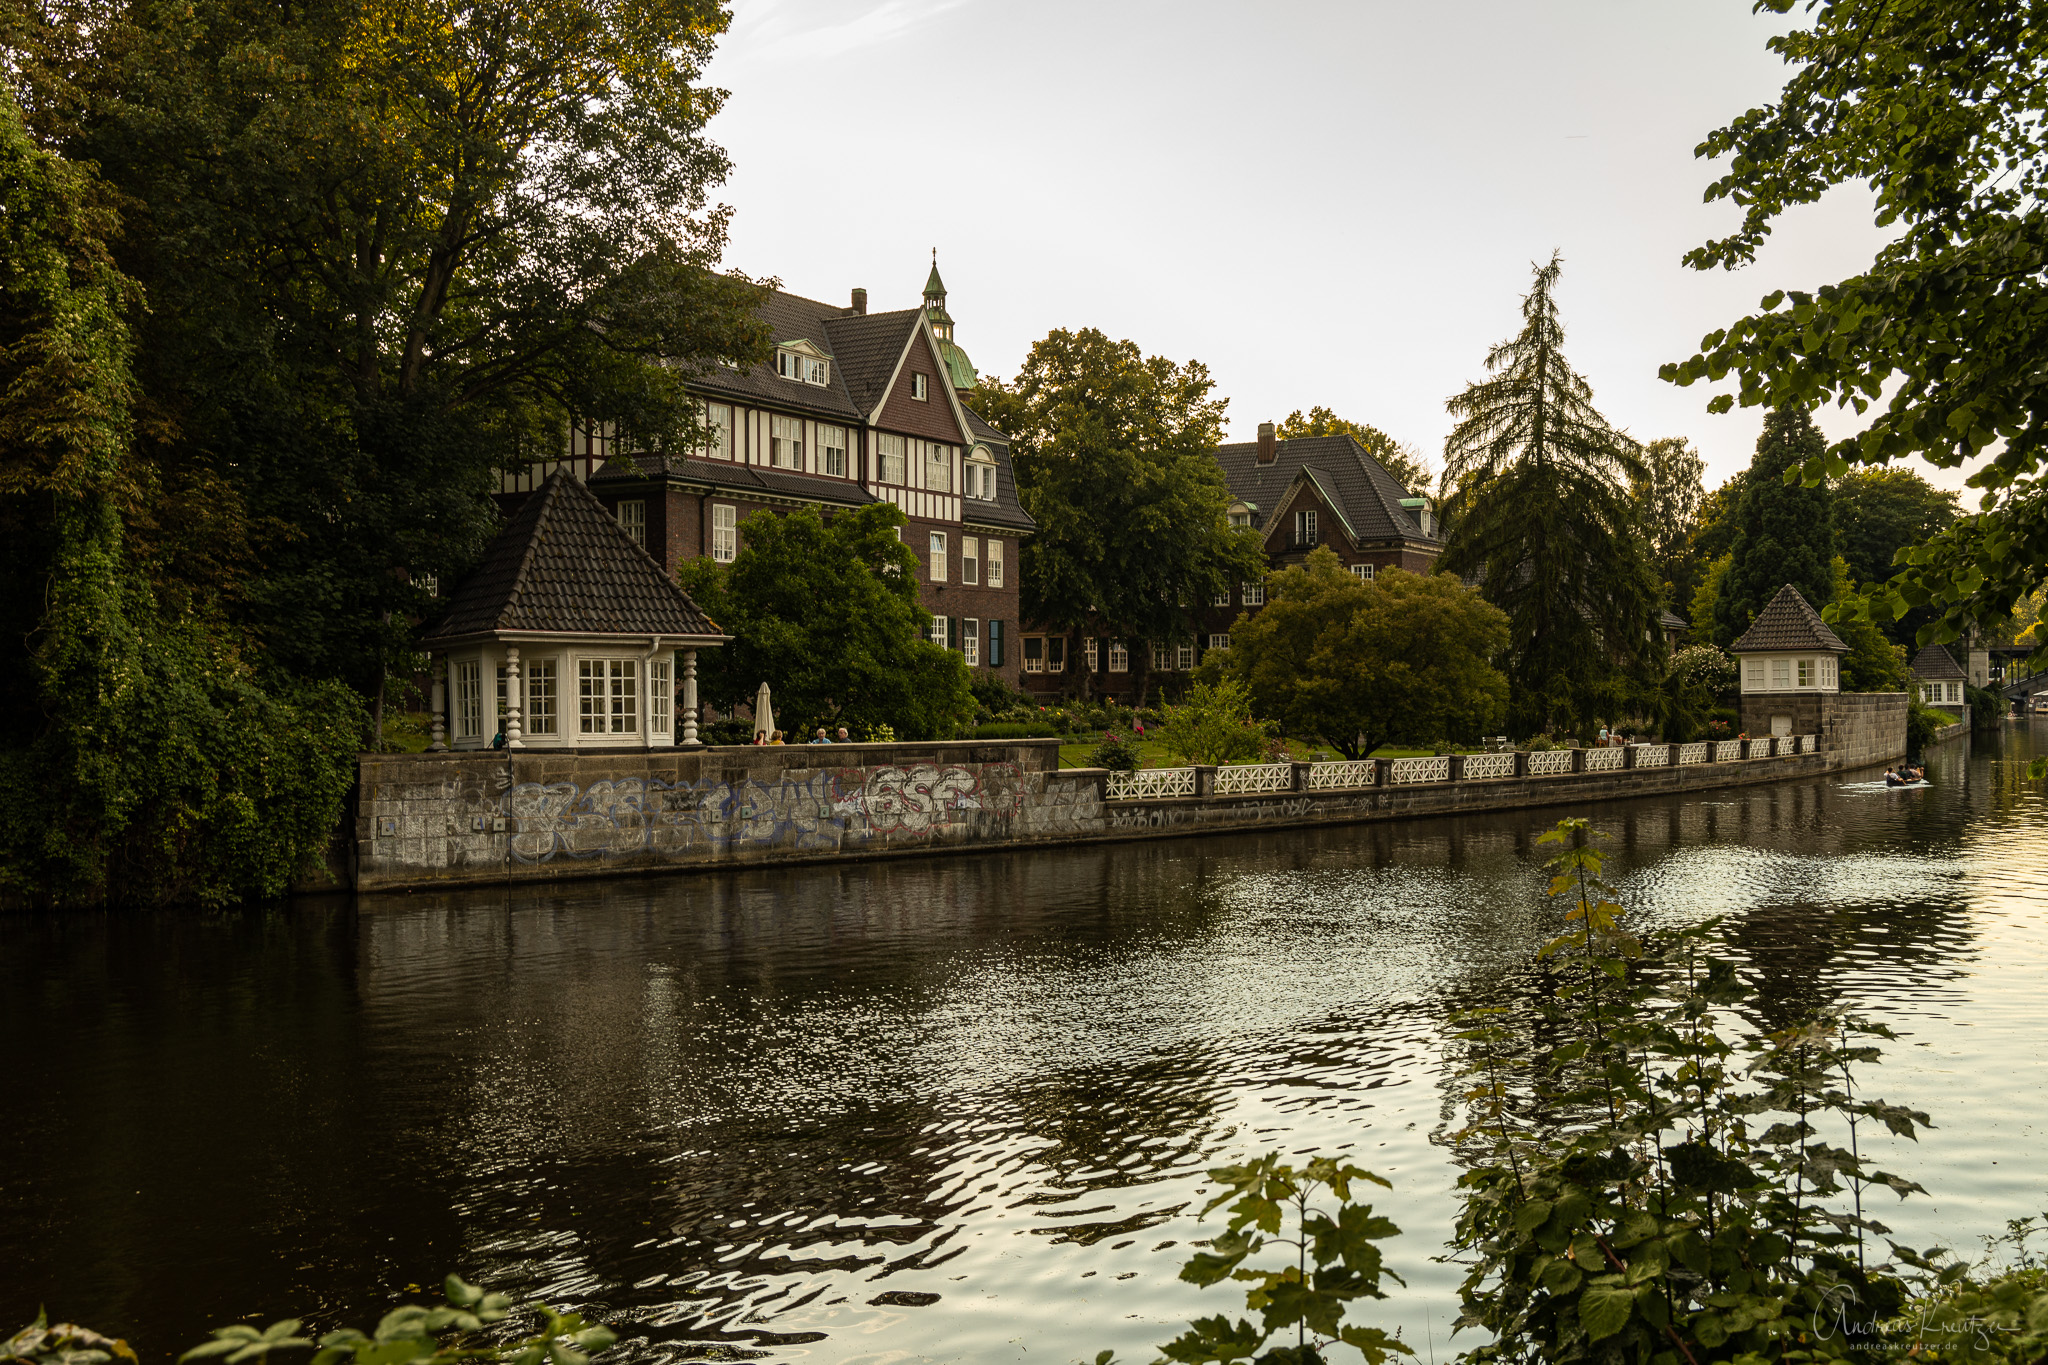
1326,203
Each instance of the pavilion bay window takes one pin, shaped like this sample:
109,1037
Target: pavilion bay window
540,698
661,695
608,696
469,700
1806,673
1781,673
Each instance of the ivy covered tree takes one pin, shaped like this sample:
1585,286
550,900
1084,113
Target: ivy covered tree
1539,504
1113,454
1936,110
1784,533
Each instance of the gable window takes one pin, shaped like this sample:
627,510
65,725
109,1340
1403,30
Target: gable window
633,519
469,701
938,468
891,450
920,387
1362,572
724,539
718,431
832,450
970,560
1219,641
995,563
970,642
938,557
1089,652
1223,598
1305,527
540,697
1254,594
1034,654
786,443
979,479
1806,672
608,696
1119,657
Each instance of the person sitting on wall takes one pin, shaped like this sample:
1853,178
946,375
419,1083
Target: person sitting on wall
821,737
844,738
775,738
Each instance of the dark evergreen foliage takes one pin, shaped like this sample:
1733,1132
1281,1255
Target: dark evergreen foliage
1540,507
1784,532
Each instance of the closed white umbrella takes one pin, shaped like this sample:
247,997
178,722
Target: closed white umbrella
764,715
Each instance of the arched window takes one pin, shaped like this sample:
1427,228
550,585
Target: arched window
979,481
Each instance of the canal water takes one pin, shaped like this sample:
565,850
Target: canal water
945,1109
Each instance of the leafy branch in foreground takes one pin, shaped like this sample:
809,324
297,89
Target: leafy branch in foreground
418,1335
1334,1262
1625,1198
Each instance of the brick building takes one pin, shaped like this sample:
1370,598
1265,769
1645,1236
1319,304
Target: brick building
1316,491
853,408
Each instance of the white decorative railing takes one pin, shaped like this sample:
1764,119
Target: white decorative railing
1255,777
1550,762
1727,750
1602,760
1328,776
1653,755
1693,753
1489,765
1807,744
1151,784
1403,770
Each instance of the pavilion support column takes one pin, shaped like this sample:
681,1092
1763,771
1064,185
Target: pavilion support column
440,704
513,698
688,739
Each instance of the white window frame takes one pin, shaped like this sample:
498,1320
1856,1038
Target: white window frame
718,419
1254,593
608,696
1809,676
469,699
1222,599
832,450
980,477
1184,657
1091,653
724,532
992,563
817,371
936,632
938,468
1034,660
920,388
889,458
1055,661
970,560
936,560
1756,675
661,695
1781,675
1305,526
633,519
1219,640
1362,572
970,641
785,441
539,716
1119,657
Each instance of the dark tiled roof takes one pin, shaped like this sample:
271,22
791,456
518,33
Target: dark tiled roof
1368,496
1935,664
1788,623
740,478
981,430
865,351
1008,508
789,318
563,564
1671,620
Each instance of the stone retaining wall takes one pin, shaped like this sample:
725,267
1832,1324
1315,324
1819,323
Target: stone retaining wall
492,817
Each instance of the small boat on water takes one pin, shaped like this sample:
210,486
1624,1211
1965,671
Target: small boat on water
1918,778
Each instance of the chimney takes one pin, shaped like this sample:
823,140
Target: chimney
1267,450
860,303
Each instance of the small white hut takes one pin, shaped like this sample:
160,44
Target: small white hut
1789,659
567,636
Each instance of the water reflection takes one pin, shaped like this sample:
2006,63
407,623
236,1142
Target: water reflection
957,1108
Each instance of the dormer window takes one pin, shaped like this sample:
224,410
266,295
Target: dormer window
1241,514
979,477
803,362
919,387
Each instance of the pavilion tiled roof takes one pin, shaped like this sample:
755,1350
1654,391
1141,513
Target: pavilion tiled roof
1788,625
1935,664
564,565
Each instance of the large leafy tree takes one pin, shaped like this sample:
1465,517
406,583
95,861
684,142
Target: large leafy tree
1938,109
1114,457
1403,461
1879,512
1784,533
163,769
1668,497
826,613
1358,665
1538,498
390,247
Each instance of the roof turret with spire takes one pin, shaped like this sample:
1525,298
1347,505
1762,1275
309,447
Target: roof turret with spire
959,369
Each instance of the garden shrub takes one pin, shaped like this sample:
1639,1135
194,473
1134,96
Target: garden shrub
1118,753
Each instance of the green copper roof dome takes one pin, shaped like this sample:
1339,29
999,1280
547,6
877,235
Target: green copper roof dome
958,367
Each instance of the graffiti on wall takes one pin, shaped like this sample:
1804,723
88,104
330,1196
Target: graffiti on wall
802,811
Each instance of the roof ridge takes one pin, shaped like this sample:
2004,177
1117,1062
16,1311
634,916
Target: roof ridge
543,496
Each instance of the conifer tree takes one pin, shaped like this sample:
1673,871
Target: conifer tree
1539,502
1783,532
